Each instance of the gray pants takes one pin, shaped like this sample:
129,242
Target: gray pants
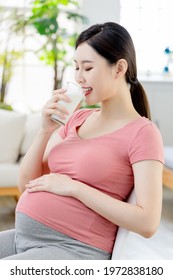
32,240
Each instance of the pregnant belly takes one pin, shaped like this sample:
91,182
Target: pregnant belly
69,216
59,212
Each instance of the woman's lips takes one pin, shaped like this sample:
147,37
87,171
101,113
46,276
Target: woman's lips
87,90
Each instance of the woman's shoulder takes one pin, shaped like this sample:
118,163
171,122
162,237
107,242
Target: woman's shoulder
144,124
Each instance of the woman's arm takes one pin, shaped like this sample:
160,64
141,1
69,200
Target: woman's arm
34,163
142,218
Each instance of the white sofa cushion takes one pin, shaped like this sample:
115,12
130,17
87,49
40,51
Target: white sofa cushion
31,128
11,130
169,156
9,174
122,235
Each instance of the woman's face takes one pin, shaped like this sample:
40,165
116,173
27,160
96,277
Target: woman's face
94,74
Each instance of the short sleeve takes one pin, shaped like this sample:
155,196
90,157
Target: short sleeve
147,145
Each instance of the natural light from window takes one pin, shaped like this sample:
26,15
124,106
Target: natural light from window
150,25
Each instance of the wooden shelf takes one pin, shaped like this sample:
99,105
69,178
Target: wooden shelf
168,177
10,191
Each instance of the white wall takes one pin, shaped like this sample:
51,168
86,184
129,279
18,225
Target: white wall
160,95
100,11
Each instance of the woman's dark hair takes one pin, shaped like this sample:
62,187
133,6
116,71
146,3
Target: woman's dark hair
113,42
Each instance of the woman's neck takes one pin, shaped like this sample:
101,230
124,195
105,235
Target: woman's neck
118,108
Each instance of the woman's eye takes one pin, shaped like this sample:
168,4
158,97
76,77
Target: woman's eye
88,69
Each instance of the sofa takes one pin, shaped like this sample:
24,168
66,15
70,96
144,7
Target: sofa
17,132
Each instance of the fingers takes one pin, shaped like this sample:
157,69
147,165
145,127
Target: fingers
36,185
56,105
36,189
59,94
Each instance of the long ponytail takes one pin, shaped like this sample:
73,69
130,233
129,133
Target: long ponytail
139,99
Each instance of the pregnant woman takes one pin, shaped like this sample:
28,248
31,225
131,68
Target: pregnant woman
75,183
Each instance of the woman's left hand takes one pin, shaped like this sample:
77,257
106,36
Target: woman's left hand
55,183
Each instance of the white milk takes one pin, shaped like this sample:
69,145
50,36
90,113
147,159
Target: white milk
75,93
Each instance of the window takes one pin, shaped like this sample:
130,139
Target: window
150,25
14,3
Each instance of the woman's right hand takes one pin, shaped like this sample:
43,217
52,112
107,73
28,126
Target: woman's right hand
53,107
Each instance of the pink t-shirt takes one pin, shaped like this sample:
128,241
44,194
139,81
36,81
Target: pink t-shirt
104,163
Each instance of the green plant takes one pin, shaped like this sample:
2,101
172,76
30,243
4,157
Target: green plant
7,62
5,106
10,54
46,16
84,105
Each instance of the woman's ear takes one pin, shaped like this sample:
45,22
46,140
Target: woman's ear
121,68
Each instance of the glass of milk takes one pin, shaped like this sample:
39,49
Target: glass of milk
75,93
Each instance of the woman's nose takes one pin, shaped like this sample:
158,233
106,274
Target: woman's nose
79,78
